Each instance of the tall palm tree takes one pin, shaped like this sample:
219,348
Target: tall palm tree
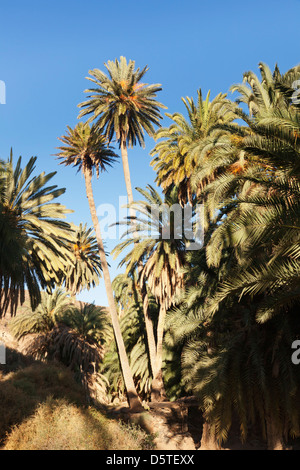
85,148
123,107
32,233
162,254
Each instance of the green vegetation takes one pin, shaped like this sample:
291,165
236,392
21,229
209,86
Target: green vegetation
216,323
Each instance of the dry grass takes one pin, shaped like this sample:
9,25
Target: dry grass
43,408
58,425
21,392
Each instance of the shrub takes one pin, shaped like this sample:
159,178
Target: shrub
22,391
59,425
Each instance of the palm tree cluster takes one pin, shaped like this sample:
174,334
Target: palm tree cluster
237,318
33,251
39,249
216,322
228,310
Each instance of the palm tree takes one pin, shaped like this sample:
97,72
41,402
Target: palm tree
85,148
248,150
84,271
249,319
44,318
131,312
73,335
232,360
189,142
32,234
90,321
248,373
162,254
123,107
79,341
261,95
258,200
264,226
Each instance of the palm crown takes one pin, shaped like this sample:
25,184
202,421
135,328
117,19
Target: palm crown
161,247
32,232
84,270
266,93
187,143
121,104
86,148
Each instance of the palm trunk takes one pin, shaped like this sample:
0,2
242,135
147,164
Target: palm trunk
157,386
132,396
126,170
142,291
275,439
208,440
147,319
150,334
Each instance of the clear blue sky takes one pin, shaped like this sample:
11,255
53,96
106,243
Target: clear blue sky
47,49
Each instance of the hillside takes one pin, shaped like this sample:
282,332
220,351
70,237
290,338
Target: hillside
167,426
42,408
